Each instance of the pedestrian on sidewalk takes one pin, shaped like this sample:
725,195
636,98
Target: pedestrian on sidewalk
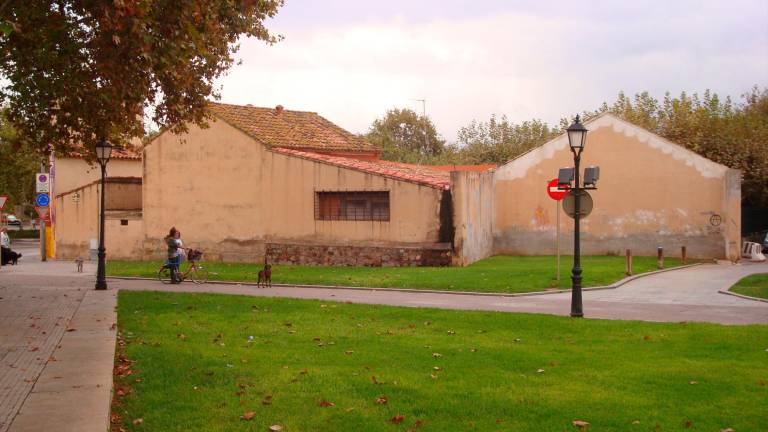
173,254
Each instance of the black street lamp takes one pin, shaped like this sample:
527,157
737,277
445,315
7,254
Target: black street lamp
103,152
577,137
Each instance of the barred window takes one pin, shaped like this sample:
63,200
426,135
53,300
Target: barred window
361,206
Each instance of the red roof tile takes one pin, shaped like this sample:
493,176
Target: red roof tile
419,174
291,129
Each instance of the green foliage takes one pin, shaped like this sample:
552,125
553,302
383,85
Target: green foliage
402,135
495,274
755,285
78,71
499,140
733,135
200,362
18,164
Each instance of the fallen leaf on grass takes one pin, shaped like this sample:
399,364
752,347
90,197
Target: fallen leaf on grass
397,419
249,415
181,336
636,422
581,424
693,382
375,381
688,424
539,370
325,403
727,430
275,428
382,400
436,355
349,352
646,337
267,400
138,421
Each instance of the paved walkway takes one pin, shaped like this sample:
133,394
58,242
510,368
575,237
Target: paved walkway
681,295
56,347
55,379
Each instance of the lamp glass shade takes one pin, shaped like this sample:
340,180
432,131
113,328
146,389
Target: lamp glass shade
577,134
103,151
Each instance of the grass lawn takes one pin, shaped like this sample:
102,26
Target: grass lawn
202,362
496,274
755,285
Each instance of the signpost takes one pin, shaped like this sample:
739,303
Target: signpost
42,200
42,183
569,204
557,193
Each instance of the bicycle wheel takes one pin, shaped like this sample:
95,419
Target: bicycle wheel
199,275
164,275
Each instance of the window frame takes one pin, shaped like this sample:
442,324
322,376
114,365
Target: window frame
371,206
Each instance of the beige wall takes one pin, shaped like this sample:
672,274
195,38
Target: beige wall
74,172
472,216
229,195
651,193
77,223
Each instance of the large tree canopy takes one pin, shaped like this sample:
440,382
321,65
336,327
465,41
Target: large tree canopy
405,136
80,70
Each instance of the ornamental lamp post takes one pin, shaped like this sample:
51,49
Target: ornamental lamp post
577,138
103,152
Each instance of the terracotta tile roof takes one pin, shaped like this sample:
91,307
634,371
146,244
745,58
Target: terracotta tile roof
278,127
476,168
127,152
419,174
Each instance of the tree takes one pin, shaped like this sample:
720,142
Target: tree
405,136
499,140
18,165
78,71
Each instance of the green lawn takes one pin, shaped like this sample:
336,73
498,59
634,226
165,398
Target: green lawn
496,274
201,362
755,285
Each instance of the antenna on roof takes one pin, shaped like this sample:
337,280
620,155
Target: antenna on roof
424,120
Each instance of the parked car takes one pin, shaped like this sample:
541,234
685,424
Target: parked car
13,220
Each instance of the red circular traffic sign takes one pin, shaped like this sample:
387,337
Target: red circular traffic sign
555,191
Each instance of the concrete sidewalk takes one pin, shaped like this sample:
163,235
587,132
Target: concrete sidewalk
689,294
57,346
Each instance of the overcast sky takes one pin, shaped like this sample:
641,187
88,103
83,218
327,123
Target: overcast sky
351,60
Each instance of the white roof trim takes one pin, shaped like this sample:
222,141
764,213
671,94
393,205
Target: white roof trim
518,168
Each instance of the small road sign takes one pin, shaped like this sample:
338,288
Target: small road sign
42,183
555,191
42,200
3,199
44,213
569,204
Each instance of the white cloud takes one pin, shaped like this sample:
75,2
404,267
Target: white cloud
525,66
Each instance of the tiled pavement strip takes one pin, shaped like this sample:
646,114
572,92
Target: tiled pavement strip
56,347
54,379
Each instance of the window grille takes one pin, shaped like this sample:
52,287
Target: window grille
356,206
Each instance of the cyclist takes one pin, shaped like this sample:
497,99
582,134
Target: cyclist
173,254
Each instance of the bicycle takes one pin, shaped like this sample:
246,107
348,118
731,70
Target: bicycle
195,272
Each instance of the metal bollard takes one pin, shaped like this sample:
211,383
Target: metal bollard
629,262
660,257
683,254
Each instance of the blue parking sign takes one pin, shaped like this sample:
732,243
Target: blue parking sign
42,200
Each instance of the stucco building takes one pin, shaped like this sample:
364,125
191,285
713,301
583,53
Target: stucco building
652,193
292,187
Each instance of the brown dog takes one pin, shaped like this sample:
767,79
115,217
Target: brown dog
265,276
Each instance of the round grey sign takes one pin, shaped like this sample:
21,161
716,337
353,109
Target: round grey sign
569,204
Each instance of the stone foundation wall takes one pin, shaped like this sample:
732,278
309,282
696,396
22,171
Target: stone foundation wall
370,256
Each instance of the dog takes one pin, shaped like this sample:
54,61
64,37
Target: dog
265,276
79,264
15,258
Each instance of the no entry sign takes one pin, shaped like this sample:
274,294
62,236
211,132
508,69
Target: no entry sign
554,190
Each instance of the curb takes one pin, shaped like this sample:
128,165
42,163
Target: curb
465,293
729,292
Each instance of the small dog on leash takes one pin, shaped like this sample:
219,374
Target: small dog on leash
79,264
265,276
